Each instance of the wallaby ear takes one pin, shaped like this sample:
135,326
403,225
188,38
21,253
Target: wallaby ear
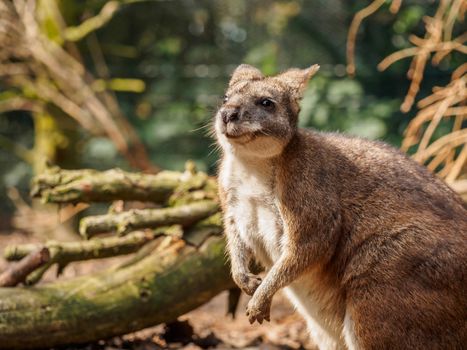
245,72
297,79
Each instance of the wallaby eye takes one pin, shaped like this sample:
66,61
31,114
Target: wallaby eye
266,103
225,99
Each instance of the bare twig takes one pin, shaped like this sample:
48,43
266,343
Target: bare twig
93,23
353,30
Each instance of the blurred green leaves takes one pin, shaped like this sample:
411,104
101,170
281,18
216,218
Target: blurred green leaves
408,18
342,105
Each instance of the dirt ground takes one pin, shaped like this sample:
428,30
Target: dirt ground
208,327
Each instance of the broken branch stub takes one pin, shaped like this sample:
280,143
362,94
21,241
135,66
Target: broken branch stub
18,272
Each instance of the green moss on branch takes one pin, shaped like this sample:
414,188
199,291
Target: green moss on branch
57,185
159,288
135,219
66,252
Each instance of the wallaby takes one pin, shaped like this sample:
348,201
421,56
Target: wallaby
370,246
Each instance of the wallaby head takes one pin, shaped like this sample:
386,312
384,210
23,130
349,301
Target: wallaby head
259,114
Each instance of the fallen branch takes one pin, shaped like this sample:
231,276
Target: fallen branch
162,286
63,253
17,273
135,219
99,248
56,185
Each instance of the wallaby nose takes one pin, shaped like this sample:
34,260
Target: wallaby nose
230,115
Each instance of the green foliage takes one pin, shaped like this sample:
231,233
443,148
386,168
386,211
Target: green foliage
341,104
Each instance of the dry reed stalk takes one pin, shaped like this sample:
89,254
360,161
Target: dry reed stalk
446,155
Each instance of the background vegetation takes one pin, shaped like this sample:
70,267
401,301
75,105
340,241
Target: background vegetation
163,65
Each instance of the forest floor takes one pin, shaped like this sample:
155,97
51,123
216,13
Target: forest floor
208,327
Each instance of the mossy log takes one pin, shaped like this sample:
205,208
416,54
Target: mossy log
57,185
135,219
158,288
66,252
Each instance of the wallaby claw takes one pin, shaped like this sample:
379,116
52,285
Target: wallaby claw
258,310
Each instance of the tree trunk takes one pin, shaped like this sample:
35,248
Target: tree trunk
162,286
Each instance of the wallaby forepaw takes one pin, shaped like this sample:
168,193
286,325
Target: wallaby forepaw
248,282
258,310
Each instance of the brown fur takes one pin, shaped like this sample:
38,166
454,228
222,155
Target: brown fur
376,241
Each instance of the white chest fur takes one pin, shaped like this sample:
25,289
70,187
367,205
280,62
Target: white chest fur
252,203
